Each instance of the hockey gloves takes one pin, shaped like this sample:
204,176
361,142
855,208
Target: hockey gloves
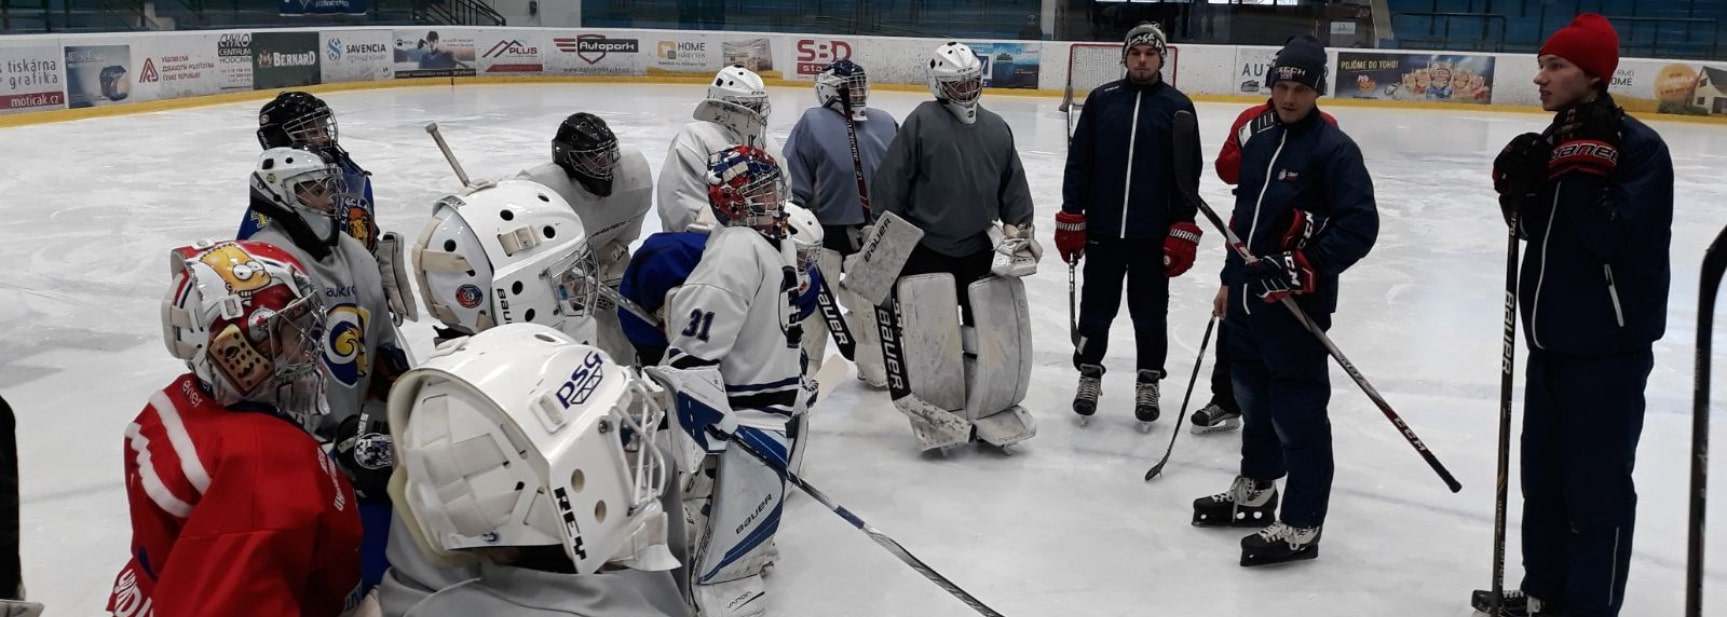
1180,247
1286,273
1018,252
1070,235
1280,275
1587,135
1520,171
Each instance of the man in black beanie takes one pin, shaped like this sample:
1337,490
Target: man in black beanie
1305,208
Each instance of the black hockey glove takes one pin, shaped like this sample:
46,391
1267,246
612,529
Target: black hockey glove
367,456
1519,172
1586,138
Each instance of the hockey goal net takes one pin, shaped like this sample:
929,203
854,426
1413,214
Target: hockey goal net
1090,65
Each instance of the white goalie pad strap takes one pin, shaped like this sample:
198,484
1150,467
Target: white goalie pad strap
397,291
883,255
998,377
929,313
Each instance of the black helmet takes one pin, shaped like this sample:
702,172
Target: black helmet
588,152
297,120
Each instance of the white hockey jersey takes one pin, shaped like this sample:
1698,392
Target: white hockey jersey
616,218
357,323
683,187
732,311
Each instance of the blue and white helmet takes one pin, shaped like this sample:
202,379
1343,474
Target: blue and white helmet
843,76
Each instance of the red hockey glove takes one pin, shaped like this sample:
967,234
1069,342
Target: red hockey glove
1179,248
1588,138
1070,235
1280,275
1298,229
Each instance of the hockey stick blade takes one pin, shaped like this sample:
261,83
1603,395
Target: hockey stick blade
1714,264
1203,343
899,551
1186,138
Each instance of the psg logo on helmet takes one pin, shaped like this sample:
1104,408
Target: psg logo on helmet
469,296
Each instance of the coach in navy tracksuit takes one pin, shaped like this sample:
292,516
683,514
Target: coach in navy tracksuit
1594,200
1119,203
1305,208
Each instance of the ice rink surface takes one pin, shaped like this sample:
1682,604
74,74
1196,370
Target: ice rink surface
1062,525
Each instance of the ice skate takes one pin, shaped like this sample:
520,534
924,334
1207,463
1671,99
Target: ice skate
1247,503
1280,543
1146,399
1214,418
1090,388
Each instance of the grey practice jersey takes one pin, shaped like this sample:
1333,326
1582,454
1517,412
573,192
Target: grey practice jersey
683,183
614,218
819,159
953,179
504,591
357,323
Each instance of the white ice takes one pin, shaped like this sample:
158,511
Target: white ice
1062,525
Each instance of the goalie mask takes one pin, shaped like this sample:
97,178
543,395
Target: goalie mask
956,79
520,437
805,232
248,321
736,84
843,76
299,185
297,120
506,253
588,151
747,189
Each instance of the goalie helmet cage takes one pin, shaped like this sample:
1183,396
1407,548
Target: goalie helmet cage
1090,65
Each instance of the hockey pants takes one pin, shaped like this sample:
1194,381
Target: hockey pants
1581,422
1107,262
1283,384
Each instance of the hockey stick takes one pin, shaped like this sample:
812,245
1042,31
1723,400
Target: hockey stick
1072,314
837,326
1186,138
1496,601
432,128
12,602
1714,263
1203,343
857,159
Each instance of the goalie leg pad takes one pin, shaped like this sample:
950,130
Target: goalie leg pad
748,494
862,320
1006,427
998,365
882,257
392,267
934,356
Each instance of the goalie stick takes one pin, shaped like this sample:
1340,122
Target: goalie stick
825,379
1203,343
432,128
1714,263
1186,134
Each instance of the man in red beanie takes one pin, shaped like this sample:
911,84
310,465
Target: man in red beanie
1593,197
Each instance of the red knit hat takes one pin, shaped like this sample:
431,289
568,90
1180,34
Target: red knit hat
1588,42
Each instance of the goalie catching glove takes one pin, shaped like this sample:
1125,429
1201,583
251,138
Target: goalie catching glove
1017,253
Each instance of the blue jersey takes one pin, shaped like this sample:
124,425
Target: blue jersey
358,214
664,261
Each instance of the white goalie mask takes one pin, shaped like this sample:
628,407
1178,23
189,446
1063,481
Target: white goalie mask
304,184
956,79
520,437
736,84
509,252
805,233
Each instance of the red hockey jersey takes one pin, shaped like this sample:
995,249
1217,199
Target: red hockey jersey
1252,120
233,513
